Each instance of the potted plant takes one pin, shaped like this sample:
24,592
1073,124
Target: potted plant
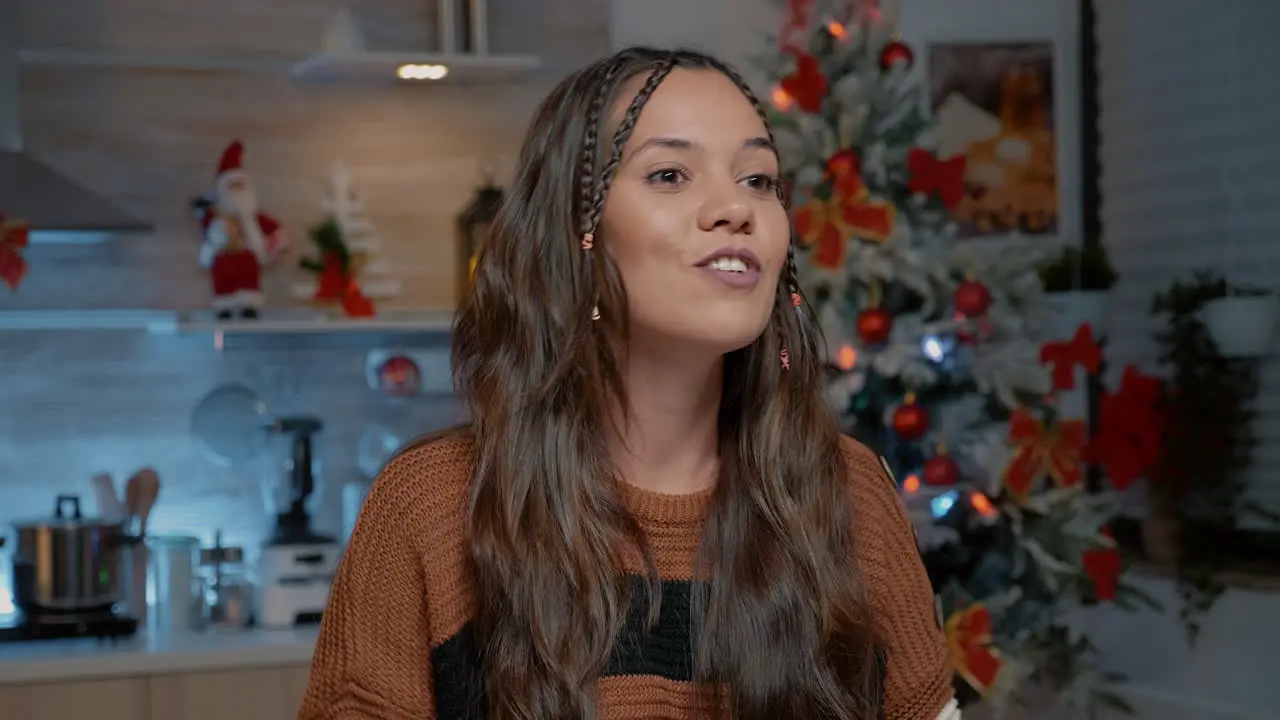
1079,281
1242,321
1209,437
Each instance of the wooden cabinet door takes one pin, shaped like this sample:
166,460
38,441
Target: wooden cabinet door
96,699
256,694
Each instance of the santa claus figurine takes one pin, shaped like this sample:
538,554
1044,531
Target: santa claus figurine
239,240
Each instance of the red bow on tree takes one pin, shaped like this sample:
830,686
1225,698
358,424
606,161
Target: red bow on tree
336,284
849,211
1103,565
1056,451
1064,357
13,240
969,646
930,175
1130,428
807,86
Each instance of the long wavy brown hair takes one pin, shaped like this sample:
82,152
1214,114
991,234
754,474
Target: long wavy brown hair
782,623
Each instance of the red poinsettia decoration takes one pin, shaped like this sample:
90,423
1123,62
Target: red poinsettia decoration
1130,428
1039,450
969,645
929,175
1102,565
850,211
13,240
1065,357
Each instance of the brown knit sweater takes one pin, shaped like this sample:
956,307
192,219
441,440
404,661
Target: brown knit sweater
395,643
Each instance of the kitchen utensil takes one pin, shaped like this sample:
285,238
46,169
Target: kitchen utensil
228,592
229,422
67,562
141,492
176,598
108,500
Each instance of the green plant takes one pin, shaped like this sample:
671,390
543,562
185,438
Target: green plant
1208,443
1087,269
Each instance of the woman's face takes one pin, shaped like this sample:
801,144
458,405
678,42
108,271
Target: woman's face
693,219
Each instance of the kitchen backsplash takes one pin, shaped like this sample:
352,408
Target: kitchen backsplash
76,403
73,404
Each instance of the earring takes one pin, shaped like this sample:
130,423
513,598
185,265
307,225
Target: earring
588,241
595,312
786,359
795,299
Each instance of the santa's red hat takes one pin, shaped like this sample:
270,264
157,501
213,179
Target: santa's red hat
232,159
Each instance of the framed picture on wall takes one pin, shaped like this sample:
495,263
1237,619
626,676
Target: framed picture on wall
994,104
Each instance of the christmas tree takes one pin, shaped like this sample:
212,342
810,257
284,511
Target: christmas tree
347,250
937,360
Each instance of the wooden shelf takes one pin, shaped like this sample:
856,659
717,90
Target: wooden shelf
280,322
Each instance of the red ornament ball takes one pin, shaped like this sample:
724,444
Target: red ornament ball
897,54
941,470
399,376
910,420
874,325
972,298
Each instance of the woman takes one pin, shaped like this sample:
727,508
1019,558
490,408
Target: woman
651,514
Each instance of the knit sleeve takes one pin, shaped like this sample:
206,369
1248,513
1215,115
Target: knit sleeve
372,659
918,680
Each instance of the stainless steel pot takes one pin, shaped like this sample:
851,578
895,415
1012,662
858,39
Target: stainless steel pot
67,562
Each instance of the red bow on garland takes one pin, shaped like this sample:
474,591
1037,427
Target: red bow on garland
930,175
969,646
13,240
849,211
1064,357
337,284
1056,451
1130,428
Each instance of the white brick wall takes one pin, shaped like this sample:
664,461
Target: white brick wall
1190,96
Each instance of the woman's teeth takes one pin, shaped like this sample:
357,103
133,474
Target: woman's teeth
729,264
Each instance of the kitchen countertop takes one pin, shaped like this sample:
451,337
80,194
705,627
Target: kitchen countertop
144,654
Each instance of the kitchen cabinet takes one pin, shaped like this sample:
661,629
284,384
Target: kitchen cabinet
271,693
116,699
259,694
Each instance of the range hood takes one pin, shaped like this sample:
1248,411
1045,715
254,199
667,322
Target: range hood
57,208
461,54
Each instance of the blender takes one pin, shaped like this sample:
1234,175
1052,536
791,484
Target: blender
296,566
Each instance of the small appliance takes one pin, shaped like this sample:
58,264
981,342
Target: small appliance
296,566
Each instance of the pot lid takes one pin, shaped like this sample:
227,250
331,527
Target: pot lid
67,515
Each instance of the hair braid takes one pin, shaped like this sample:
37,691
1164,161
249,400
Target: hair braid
590,148
620,137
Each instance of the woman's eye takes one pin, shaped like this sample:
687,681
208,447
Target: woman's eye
669,176
764,183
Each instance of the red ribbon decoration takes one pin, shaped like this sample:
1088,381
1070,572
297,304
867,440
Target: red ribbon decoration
336,284
969,645
14,236
1102,565
930,175
1057,451
1064,357
849,212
